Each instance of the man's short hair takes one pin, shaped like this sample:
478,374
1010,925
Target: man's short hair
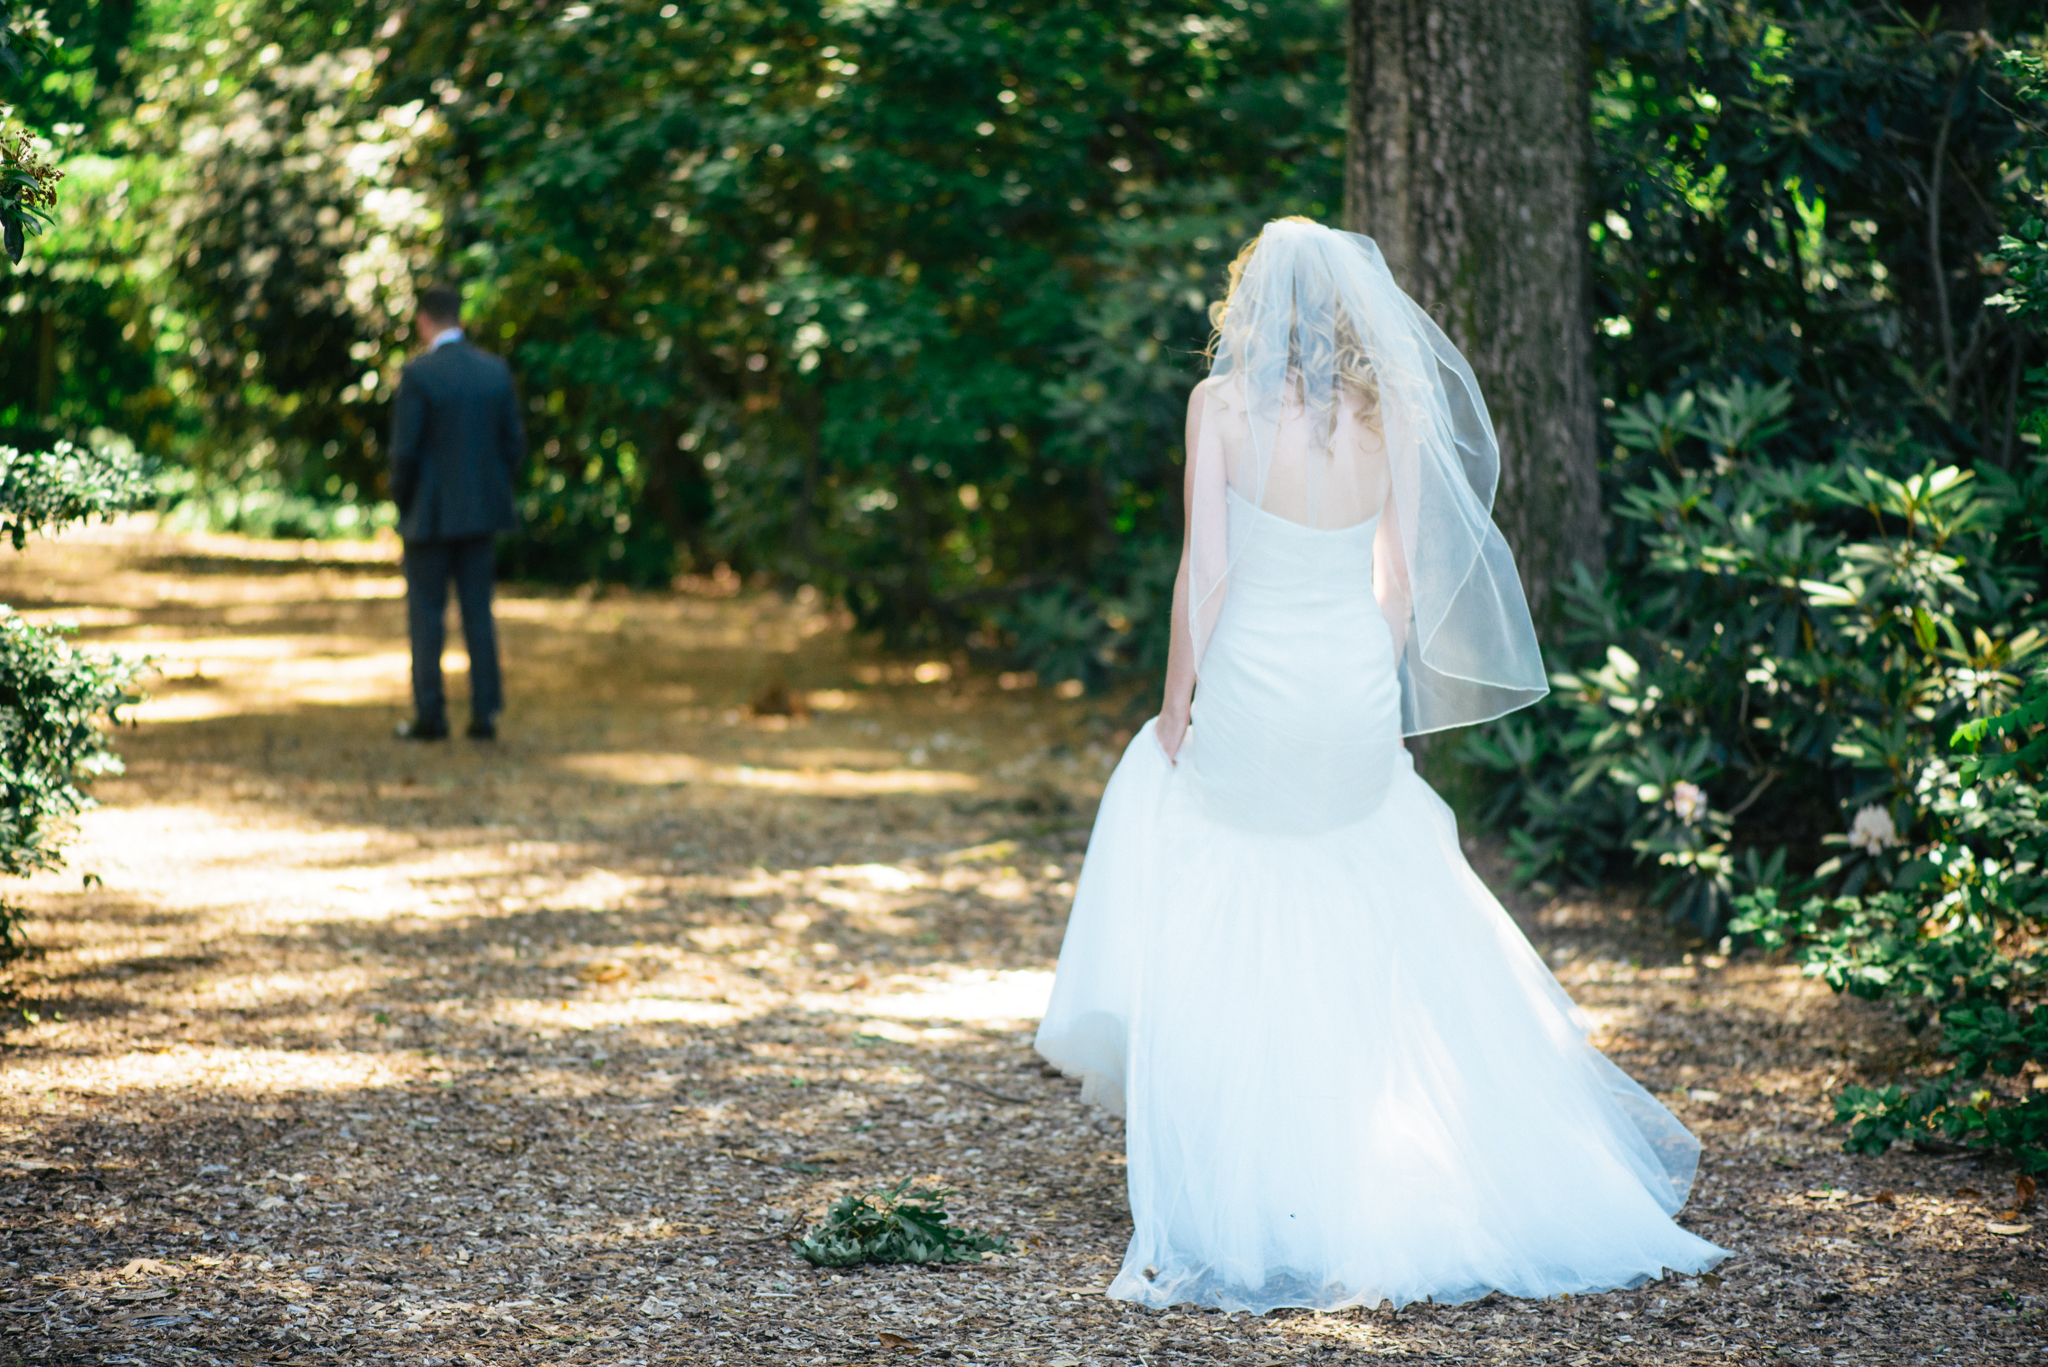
442,304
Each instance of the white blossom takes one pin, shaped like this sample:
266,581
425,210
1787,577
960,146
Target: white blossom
1689,800
1872,831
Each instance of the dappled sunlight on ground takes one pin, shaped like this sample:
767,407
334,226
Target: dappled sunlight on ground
234,1071
380,1053
812,778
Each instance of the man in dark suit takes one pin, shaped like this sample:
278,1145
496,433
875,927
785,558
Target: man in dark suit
456,443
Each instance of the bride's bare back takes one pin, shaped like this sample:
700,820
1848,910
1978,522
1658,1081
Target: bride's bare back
1326,489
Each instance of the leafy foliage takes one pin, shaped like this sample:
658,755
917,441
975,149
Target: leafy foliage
43,490
28,189
20,33
1967,949
904,1224
54,700
902,300
2021,258
1790,645
27,183
51,697
2026,725
1814,195
73,355
1824,489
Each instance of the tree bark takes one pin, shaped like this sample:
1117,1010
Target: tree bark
1469,161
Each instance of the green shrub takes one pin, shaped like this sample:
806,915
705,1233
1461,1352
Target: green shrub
1966,949
904,1224
54,700
2021,257
1758,692
45,491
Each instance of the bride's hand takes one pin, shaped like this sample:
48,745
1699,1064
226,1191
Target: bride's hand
1171,732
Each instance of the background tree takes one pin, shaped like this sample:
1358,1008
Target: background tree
1468,163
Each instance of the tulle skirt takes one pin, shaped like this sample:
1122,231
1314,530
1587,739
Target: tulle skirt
1346,1076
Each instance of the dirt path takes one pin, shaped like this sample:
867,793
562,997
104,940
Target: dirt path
537,1052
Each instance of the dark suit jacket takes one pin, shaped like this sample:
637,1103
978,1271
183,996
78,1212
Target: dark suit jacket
456,442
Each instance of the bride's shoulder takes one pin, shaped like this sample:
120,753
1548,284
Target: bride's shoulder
1223,391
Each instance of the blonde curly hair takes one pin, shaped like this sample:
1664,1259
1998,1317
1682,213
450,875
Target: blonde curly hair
1354,365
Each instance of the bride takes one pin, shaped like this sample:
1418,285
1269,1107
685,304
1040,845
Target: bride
1346,1077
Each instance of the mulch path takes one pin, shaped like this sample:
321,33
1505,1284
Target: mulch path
540,1052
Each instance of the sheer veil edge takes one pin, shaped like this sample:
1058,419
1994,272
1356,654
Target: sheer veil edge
1309,301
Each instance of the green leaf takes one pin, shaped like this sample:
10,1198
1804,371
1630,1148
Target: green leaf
903,1224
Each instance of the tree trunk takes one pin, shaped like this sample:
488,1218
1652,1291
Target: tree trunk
1468,163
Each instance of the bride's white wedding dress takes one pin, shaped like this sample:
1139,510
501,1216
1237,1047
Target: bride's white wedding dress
1345,1074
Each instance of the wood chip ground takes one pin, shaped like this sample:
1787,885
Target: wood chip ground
539,1052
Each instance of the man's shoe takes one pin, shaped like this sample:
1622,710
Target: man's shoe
482,730
420,730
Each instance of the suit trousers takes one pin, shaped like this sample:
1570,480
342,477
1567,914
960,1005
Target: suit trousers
429,565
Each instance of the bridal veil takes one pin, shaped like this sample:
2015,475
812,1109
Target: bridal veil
1313,311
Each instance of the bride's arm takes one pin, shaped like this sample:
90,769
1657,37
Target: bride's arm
1176,708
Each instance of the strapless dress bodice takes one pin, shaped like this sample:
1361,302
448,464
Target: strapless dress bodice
1272,552
1298,705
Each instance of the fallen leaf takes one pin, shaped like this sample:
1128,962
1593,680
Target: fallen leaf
2000,1227
150,1267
